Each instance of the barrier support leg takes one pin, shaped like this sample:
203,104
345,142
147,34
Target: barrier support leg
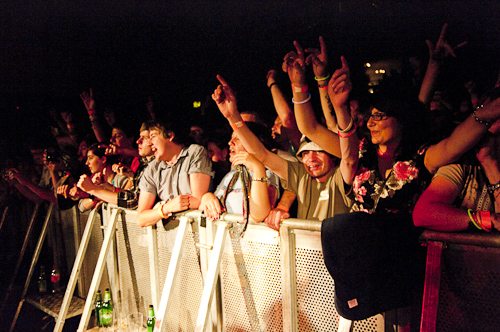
75,272
173,268
212,276
96,278
289,279
431,286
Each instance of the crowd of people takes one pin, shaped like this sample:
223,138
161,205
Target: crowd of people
376,170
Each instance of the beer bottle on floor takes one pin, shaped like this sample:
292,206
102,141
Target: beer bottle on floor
98,307
151,318
106,314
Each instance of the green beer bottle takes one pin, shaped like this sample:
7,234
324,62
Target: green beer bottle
151,318
98,307
106,313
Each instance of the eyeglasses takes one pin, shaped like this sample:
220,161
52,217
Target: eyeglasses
376,117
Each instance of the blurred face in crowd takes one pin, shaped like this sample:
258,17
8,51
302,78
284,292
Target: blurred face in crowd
384,129
144,144
215,153
83,149
276,128
94,162
318,164
119,138
196,133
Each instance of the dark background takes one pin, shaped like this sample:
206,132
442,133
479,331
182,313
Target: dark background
127,50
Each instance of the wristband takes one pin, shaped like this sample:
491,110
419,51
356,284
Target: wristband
162,215
319,79
263,179
347,129
485,219
343,134
302,101
236,125
323,86
485,123
303,88
271,85
472,220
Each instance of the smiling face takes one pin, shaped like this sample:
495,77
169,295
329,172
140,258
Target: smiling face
159,144
318,164
384,130
94,162
144,144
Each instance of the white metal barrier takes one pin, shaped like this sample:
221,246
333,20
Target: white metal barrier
212,280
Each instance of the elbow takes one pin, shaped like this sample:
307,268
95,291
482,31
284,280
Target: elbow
420,215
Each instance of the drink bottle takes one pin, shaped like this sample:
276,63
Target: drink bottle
55,278
151,319
98,307
106,313
42,281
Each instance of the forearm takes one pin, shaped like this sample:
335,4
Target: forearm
440,217
286,200
260,204
149,217
428,83
464,137
27,193
41,193
349,143
309,126
105,195
327,108
282,107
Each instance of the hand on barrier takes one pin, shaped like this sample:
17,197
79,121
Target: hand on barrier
275,217
210,206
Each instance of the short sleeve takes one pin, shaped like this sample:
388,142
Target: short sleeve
200,163
147,184
293,176
453,173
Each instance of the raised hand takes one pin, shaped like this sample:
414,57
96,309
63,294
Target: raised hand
88,99
294,64
225,98
318,59
442,49
340,85
271,77
85,183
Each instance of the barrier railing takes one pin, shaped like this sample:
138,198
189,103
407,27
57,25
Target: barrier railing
213,280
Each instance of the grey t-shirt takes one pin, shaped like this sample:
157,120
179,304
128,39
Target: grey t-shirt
168,181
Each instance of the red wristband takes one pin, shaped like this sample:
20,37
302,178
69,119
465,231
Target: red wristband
303,88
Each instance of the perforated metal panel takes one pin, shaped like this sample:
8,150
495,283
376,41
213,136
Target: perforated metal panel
469,297
188,287
260,307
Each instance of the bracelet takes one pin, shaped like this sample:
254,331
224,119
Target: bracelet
343,134
323,86
303,88
346,130
323,78
485,123
472,220
271,85
162,215
493,187
263,179
302,101
485,220
236,125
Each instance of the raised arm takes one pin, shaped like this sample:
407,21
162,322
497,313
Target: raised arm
89,103
226,102
283,109
294,64
318,60
437,54
465,136
338,89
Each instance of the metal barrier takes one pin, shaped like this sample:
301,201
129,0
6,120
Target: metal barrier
213,280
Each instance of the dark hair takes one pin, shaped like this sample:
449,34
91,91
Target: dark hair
98,150
263,133
181,132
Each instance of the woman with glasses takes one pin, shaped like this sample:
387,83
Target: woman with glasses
372,252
